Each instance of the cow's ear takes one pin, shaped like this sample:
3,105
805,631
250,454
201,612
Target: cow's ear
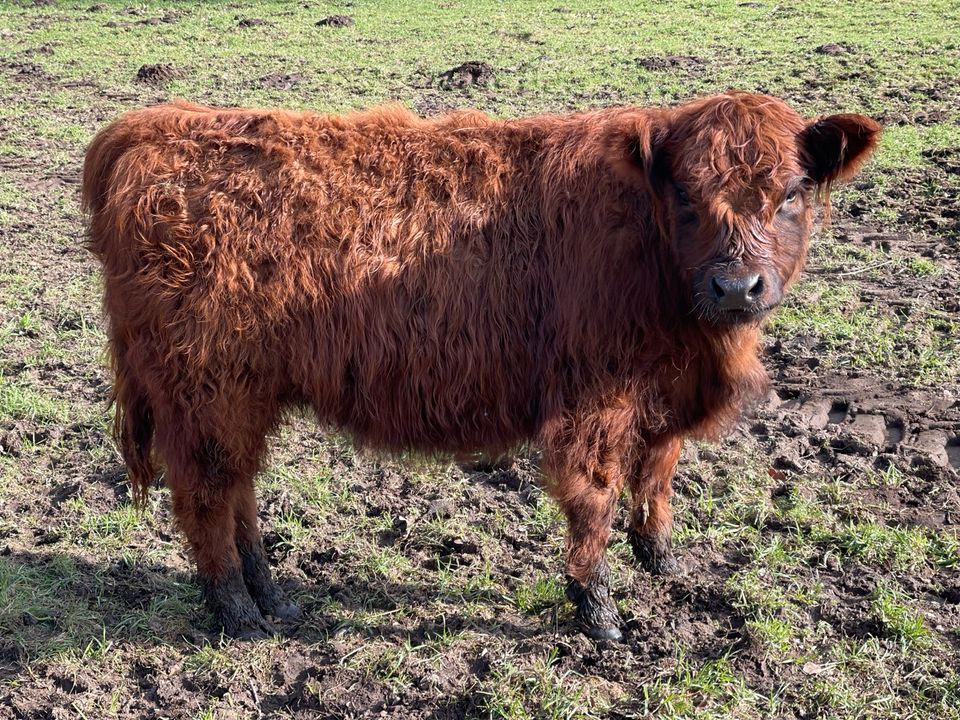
634,144
835,147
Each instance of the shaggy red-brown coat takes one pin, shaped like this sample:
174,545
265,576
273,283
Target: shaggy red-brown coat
591,282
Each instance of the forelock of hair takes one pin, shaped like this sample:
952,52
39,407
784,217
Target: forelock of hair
740,139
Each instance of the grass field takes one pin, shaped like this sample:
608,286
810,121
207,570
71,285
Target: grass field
819,542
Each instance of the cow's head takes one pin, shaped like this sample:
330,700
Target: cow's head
734,178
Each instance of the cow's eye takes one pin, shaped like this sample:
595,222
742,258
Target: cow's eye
683,197
791,197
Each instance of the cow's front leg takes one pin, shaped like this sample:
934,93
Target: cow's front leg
589,502
651,521
269,597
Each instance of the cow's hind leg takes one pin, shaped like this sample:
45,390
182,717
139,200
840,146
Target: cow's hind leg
253,559
589,505
205,485
651,520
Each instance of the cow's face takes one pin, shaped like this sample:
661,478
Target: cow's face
734,179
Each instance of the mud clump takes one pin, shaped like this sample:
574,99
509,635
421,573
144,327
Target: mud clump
832,49
252,22
472,73
336,21
26,70
671,62
158,73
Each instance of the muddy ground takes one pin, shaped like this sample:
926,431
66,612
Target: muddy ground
821,565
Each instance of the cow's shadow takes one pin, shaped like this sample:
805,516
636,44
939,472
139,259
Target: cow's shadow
58,601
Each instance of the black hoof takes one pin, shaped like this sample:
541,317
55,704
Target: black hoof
245,623
266,594
230,602
596,613
666,566
654,555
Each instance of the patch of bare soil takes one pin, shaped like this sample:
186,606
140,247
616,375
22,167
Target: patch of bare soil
473,73
671,62
158,74
252,22
428,105
852,422
26,71
281,81
336,21
832,49
167,18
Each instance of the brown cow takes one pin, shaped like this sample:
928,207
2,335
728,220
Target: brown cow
593,282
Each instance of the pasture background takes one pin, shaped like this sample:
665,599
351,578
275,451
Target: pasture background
819,541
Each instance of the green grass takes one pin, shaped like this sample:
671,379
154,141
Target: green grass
890,607
539,689
709,690
533,597
903,146
18,400
916,343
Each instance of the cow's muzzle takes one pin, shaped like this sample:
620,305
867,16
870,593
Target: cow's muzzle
732,295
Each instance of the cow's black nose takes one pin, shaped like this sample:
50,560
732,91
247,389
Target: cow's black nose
737,292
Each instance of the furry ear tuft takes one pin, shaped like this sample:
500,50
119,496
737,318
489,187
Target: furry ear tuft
835,147
633,143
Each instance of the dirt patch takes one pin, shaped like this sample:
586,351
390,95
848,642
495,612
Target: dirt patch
671,62
434,104
953,452
473,73
27,71
922,201
281,81
918,117
158,74
336,21
947,159
832,49
253,22
168,18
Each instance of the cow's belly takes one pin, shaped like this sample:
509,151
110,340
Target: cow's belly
424,370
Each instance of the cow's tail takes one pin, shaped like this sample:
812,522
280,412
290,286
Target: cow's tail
133,429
